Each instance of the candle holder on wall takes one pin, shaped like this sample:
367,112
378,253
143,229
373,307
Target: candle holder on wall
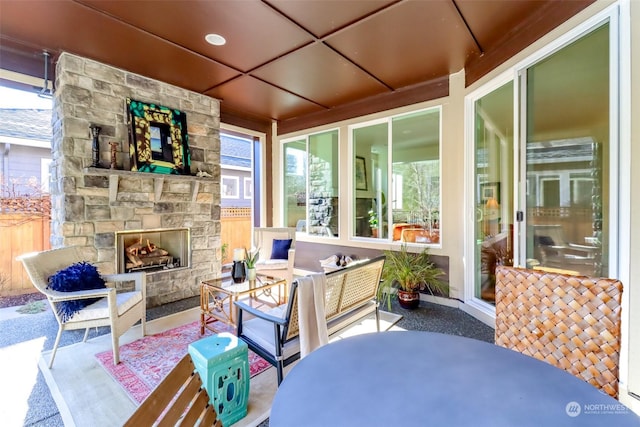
95,151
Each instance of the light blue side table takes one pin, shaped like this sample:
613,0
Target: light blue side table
222,361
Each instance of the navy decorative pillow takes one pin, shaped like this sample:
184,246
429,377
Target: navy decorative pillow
280,248
77,277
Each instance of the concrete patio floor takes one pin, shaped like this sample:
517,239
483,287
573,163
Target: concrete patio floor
28,401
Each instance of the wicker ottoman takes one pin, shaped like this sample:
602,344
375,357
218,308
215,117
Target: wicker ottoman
223,364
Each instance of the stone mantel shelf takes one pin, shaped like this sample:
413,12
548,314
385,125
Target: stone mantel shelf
158,180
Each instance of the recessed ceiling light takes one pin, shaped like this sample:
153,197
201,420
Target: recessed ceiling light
215,39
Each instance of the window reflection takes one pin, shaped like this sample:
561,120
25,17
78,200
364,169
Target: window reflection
410,192
370,145
323,184
567,157
416,177
311,184
493,195
294,182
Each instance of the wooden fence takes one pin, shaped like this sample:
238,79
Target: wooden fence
28,232
19,234
235,230
577,223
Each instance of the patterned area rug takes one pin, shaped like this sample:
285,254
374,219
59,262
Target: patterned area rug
145,362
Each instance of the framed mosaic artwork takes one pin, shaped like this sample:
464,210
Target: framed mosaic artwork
158,141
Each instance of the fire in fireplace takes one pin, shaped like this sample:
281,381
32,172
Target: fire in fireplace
152,250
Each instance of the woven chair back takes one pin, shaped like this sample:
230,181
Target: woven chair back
346,288
571,322
40,265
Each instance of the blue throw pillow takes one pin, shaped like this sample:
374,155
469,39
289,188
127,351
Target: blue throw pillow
77,277
280,248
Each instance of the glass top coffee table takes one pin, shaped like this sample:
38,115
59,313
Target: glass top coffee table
217,297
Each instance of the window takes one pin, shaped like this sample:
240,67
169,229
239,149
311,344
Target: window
399,160
230,187
370,166
416,176
311,183
45,174
571,157
549,192
323,184
248,188
295,182
581,189
394,180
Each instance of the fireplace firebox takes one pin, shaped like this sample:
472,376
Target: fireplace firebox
153,250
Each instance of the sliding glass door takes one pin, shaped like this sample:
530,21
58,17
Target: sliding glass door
545,164
493,182
567,151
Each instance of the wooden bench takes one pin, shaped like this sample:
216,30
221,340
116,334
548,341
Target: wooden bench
178,400
350,296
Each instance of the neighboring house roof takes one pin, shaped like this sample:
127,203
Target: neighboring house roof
235,151
21,125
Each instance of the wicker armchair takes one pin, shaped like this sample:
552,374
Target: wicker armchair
263,238
571,322
119,311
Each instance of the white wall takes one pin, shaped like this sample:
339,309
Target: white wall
631,335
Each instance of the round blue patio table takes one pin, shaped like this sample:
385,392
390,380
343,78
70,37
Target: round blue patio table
428,379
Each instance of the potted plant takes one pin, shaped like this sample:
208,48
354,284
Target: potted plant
373,222
250,259
410,273
223,252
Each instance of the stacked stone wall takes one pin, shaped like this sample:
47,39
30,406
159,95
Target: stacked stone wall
90,204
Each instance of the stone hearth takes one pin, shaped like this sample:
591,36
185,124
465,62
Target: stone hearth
90,204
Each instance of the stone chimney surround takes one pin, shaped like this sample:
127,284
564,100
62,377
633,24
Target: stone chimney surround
90,203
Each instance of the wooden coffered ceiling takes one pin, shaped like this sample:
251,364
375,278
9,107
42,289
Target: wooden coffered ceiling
299,62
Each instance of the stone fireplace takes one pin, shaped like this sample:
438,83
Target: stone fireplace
152,250
98,208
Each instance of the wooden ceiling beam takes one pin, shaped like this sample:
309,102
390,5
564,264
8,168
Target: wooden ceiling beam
427,91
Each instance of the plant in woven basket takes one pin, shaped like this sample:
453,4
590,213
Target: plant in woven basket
409,273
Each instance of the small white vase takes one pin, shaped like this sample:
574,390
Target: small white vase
251,274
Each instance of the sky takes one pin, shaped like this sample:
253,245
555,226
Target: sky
12,98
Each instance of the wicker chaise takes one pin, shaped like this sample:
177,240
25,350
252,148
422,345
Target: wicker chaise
571,322
350,296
